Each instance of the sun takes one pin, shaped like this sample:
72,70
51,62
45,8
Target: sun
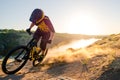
83,24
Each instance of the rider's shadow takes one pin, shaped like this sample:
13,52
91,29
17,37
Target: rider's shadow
34,69
20,74
12,77
56,69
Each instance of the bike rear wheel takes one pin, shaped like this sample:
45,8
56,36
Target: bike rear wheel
40,58
15,60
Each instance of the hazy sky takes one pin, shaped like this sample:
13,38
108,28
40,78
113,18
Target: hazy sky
67,16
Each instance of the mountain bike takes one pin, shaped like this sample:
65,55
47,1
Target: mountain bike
18,57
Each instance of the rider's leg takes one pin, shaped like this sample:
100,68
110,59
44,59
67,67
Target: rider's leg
44,41
43,45
37,35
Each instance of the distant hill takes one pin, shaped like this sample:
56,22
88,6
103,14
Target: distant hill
111,41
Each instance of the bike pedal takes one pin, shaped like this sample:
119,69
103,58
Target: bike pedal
41,58
30,59
19,60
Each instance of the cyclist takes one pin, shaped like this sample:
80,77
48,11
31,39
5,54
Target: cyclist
45,30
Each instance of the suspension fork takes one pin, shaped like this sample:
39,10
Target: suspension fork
25,56
19,54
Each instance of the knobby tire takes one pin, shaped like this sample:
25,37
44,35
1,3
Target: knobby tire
6,58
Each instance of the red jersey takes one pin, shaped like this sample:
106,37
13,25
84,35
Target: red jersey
45,25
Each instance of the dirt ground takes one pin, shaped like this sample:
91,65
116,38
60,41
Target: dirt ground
60,71
94,70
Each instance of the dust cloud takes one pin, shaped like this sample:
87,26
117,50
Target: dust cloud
70,52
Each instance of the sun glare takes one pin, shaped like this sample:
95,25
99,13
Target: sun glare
83,24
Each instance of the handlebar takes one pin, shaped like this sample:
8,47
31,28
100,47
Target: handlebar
28,31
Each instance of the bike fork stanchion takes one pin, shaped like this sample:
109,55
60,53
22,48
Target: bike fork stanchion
18,55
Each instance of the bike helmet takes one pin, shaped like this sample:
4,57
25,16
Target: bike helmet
36,16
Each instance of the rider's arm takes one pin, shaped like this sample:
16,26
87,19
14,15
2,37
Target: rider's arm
29,29
31,25
51,35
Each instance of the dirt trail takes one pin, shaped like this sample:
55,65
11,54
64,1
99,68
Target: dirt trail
95,69
59,71
102,63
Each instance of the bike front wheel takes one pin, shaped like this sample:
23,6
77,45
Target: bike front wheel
15,60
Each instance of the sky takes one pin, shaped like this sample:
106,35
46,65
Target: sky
92,17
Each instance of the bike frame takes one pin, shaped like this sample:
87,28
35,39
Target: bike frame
29,47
